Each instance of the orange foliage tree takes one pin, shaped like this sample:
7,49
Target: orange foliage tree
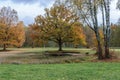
91,38
8,27
101,39
36,35
78,35
19,34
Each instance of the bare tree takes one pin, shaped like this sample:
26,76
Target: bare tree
106,28
88,11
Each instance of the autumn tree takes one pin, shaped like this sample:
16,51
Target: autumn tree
19,34
8,27
36,35
56,24
79,38
91,38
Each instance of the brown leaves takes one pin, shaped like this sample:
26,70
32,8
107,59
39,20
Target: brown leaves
78,35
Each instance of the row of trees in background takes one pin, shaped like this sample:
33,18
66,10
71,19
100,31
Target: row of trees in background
32,39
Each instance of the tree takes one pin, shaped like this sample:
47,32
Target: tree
87,10
57,24
79,38
115,32
118,4
9,30
106,27
89,37
19,34
36,35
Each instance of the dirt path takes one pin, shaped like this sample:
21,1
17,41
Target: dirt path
4,55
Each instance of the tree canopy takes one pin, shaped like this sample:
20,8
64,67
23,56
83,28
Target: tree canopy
10,30
58,24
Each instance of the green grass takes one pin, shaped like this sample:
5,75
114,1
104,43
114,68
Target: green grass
81,71
40,50
33,70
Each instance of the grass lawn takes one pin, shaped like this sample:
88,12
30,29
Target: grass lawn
48,49
80,71
31,65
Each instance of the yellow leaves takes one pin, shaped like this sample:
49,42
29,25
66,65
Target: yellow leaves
36,34
20,32
8,32
78,35
101,38
13,35
113,27
2,27
56,26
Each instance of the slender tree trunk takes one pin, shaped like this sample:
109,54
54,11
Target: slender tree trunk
32,44
107,41
100,56
96,29
99,50
60,45
107,55
4,47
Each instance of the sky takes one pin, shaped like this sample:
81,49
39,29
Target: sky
29,9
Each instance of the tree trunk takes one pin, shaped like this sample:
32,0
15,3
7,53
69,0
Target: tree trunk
99,50
60,45
4,47
95,22
32,44
99,46
107,55
108,31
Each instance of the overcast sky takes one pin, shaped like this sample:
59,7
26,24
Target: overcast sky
29,9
